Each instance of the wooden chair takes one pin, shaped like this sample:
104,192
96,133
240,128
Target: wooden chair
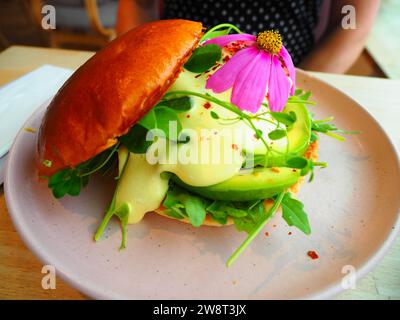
96,36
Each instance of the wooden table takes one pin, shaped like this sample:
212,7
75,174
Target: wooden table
20,270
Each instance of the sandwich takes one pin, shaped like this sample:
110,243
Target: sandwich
204,127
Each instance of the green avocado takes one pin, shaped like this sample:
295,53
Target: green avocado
260,183
298,136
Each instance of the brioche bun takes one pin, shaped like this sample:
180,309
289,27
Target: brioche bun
311,153
115,88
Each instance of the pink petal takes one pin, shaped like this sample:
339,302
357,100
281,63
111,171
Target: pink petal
278,86
251,83
222,41
225,76
287,59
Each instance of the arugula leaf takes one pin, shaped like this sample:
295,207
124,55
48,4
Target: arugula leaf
257,229
180,203
254,217
203,58
195,208
220,210
294,214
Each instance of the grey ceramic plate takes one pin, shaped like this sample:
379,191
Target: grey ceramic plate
353,208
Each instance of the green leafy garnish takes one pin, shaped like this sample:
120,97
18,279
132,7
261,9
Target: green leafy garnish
301,96
219,30
297,162
227,105
135,139
122,213
257,229
160,118
71,180
221,210
180,203
277,134
326,127
214,115
287,119
180,104
255,215
306,165
294,215
203,58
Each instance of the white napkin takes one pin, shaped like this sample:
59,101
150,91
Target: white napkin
21,97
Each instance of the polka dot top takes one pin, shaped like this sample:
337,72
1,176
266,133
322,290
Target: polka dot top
295,20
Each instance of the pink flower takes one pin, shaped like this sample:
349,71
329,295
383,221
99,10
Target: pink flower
260,62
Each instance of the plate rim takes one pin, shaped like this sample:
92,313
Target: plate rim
91,292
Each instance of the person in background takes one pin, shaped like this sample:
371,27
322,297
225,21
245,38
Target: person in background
311,29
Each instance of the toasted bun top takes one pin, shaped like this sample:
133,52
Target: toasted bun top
112,91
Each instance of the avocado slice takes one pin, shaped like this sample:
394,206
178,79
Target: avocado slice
248,185
298,136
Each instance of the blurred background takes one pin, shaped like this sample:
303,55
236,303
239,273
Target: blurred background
90,24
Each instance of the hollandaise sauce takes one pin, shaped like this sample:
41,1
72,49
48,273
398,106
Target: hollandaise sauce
213,154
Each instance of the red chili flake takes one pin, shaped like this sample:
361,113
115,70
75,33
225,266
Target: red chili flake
267,234
198,75
313,255
188,116
235,147
226,59
207,105
289,233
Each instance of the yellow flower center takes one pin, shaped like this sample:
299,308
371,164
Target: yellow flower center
270,41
